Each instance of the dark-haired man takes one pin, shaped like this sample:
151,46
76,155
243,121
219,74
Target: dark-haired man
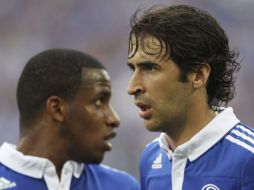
66,121
182,72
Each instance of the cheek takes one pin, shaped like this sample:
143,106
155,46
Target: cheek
86,122
92,111
92,121
89,109
162,92
170,95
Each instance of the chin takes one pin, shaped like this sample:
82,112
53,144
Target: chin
152,129
151,126
95,159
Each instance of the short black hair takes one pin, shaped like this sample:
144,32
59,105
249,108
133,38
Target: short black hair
52,72
191,37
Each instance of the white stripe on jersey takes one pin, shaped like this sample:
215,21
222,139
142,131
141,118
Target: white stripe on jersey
245,129
242,135
241,143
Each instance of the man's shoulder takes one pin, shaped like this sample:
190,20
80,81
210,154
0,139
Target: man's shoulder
152,148
117,178
241,139
7,181
105,169
10,179
235,150
152,156
4,170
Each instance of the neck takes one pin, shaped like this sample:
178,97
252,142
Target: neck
41,142
195,121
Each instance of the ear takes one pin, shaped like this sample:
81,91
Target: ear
200,77
57,107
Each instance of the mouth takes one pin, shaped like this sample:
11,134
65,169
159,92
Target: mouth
108,145
145,111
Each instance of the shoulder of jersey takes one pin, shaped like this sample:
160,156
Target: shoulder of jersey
116,175
242,137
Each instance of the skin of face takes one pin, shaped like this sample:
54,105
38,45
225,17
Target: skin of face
155,83
90,120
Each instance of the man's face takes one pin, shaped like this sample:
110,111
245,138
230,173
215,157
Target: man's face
155,84
91,120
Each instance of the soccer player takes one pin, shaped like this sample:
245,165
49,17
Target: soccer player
183,75
66,121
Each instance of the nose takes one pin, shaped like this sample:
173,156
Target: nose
113,119
135,87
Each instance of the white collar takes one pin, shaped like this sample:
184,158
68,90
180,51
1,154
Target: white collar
204,139
31,165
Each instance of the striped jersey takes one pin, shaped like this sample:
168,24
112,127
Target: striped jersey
22,172
219,157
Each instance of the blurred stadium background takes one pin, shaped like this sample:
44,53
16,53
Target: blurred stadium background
101,28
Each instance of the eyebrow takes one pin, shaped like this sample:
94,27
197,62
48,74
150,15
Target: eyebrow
106,92
142,63
100,81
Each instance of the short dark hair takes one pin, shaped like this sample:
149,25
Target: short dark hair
191,37
51,72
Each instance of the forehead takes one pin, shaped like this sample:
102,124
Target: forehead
93,76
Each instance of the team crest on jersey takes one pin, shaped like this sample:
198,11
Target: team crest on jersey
6,184
210,187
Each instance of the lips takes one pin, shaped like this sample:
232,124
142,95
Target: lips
145,110
110,136
108,145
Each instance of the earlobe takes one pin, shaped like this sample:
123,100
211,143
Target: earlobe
200,77
56,108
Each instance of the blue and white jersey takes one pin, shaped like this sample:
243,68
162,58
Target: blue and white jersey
21,172
219,157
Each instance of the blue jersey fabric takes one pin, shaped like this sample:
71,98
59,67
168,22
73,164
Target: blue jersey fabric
22,172
220,157
94,177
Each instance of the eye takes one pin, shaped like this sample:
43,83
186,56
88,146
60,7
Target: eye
99,101
148,67
102,99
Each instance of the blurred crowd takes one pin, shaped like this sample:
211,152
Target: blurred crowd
101,28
